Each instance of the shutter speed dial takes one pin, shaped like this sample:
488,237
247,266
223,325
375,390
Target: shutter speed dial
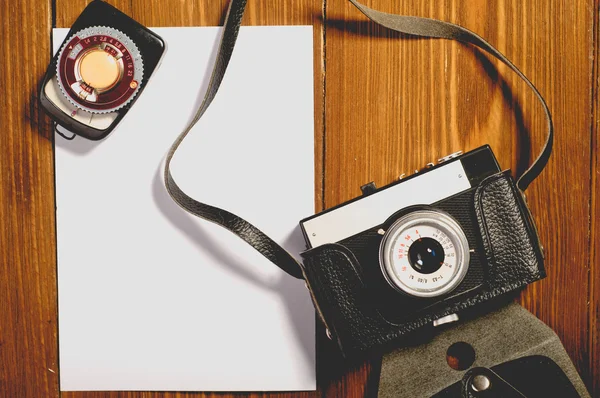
99,69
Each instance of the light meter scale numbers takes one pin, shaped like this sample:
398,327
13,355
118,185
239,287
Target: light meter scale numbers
99,69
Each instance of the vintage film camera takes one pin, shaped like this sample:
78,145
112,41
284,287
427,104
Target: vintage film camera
419,251
100,70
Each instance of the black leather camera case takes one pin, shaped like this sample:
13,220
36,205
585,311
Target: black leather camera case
512,258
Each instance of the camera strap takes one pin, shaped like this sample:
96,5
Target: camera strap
416,26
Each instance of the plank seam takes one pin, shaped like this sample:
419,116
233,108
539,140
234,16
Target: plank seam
594,385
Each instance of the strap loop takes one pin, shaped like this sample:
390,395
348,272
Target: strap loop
405,24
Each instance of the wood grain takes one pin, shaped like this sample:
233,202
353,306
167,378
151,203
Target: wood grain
384,104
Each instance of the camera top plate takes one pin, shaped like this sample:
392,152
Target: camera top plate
451,175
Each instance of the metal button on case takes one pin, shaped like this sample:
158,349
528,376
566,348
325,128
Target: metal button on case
480,383
445,319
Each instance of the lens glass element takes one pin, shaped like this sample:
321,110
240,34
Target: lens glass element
426,255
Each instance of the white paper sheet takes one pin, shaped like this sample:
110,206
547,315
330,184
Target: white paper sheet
151,298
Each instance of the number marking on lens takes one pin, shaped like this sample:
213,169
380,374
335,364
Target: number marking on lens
433,264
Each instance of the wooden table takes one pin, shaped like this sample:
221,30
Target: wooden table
384,104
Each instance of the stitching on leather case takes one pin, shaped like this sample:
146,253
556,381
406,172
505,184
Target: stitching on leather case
338,248
480,213
315,302
528,224
327,250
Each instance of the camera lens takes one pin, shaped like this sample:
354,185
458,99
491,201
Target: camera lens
426,255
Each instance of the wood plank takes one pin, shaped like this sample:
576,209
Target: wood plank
204,13
594,306
394,103
28,347
67,11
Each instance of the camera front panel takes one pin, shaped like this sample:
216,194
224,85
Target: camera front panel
396,305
